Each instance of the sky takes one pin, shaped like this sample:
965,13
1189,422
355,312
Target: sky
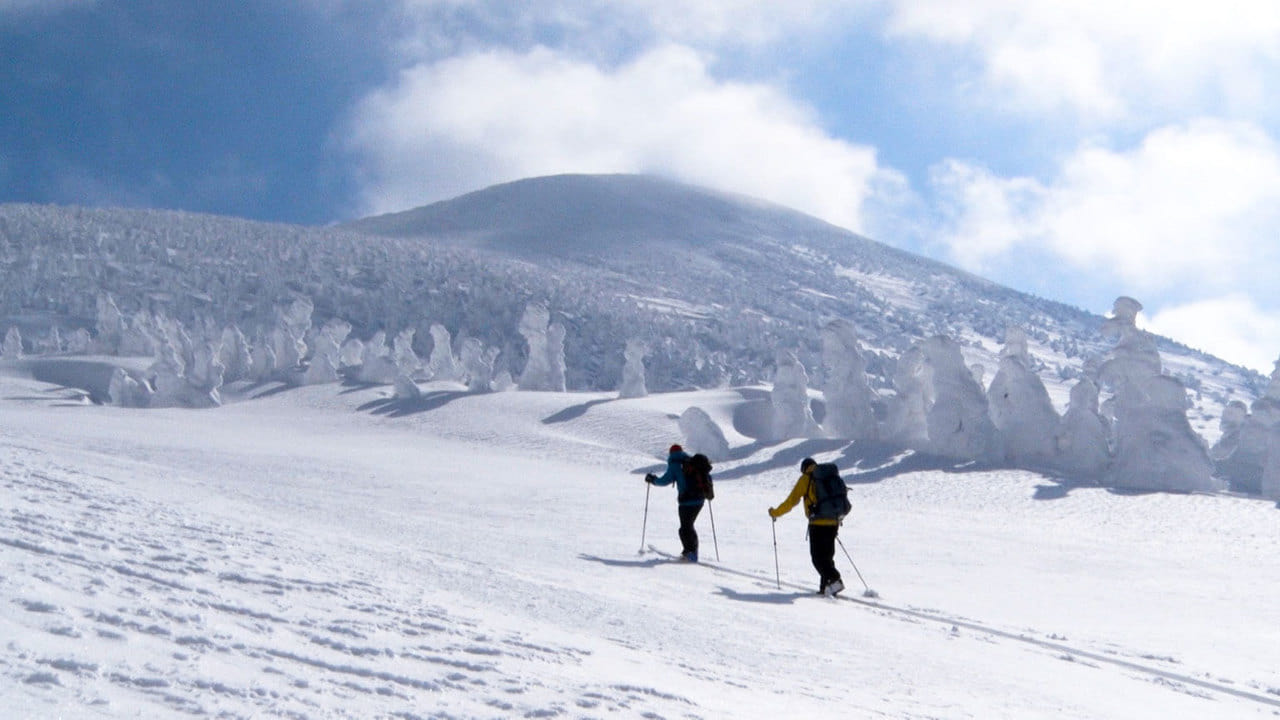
1078,151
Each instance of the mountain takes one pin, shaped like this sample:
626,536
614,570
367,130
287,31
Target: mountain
714,283
586,216
728,262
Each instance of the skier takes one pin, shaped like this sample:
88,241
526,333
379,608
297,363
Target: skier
690,504
822,530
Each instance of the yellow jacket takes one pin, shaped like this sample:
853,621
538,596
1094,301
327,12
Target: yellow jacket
803,489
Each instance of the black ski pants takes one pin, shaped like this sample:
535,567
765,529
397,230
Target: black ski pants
822,550
689,536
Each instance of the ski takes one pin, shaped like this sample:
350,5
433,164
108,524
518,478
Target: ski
872,600
676,557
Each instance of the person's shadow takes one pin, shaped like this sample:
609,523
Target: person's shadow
401,407
614,562
768,598
574,411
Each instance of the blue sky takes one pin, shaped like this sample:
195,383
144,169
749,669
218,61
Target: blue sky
1080,151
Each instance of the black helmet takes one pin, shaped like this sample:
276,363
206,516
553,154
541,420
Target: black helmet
806,463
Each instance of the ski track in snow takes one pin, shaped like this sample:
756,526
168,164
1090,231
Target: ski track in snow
224,630
1068,652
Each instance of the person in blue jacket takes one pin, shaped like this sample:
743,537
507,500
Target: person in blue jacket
690,503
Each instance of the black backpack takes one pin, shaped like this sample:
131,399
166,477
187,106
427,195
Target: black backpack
831,495
697,475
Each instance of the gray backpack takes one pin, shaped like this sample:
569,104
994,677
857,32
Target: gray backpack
831,495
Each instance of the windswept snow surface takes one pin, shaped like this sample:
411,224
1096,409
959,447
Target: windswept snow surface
329,551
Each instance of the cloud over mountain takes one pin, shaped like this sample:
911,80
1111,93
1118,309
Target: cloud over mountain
447,127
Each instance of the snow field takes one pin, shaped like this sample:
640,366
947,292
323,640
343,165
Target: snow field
325,552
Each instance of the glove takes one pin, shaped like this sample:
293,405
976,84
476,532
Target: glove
773,514
650,477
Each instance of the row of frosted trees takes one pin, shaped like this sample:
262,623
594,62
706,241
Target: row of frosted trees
1139,438
191,365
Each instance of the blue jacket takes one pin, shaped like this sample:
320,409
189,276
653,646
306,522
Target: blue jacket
675,474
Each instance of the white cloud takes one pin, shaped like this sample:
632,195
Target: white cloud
984,216
703,23
1192,206
1232,327
750,22
1103,59
471,121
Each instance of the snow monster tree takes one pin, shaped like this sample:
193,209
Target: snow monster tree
1155,447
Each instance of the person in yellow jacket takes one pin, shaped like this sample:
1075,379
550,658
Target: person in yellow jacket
822,531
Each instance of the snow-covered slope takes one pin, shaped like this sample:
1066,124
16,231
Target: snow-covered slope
601,216
714,283
328,551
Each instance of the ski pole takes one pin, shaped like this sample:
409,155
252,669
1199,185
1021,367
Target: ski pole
713,530
776,572
647,487
868,592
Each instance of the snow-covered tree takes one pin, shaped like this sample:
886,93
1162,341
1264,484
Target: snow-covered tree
377,366
405,388
296,316
288,338
323,367
792,414
1250,437
477,362
442,365
110,325
1155,447
702,434
633,384
79,342
849,398
52,344
140,337
125,391
407,361
12,347
555,357
288,349
352,353
165,377
1020,406
907,423
545,369
958,418
337,329
264,359
204,376
1082,440
939,407
503,382
234,354
1225,453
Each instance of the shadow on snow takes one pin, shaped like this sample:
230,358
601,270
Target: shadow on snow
768,598
402,407
574,412
614,562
